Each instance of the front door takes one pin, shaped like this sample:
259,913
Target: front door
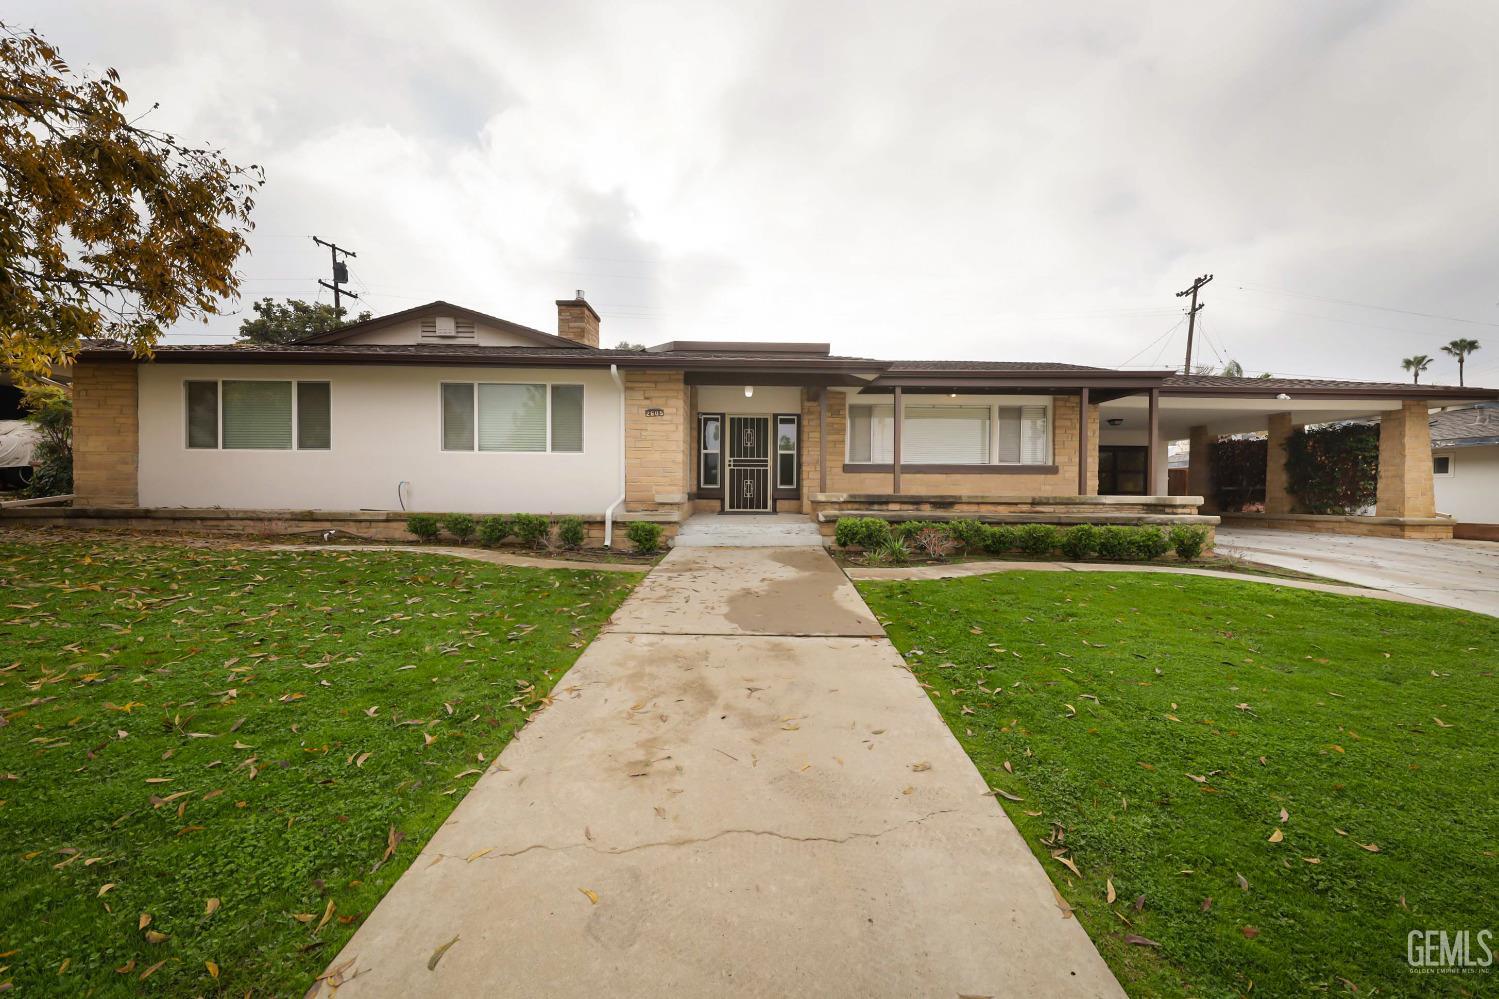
748,488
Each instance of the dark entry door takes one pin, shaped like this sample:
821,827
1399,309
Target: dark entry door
748,464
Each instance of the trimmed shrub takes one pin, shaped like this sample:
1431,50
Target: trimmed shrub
1078,542
645,536
1115,543
571,532
493,531
460,526
1001,540
423,525
966,534
530,529
934,542
894,551
1149,543
1037,539
1189,541
867,533
907,529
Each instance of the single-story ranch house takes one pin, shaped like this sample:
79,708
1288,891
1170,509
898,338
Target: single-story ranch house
441,408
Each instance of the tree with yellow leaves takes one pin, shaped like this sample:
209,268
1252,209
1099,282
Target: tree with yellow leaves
108,230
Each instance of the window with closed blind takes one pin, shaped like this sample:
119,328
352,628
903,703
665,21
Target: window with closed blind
516,417
958,433
253,415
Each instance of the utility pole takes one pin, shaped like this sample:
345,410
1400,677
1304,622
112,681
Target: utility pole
340,274
1192,316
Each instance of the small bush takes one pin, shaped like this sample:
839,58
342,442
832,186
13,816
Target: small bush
1189,541
460,526
894,551
493,531
1037,539
907,529
530,529
934,542
645,536
966,534
1115,543
867,533
1079,542
571,532
1150,543
1001,540
424,526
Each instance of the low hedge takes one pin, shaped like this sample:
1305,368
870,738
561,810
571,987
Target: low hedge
1115,542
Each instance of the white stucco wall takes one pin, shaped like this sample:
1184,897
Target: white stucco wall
386,428
1471,492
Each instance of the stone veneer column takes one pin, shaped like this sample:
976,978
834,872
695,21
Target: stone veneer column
1405,483
1200,468
1278,498
656,447
106,434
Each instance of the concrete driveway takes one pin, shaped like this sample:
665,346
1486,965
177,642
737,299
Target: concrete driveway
731,796
1461,574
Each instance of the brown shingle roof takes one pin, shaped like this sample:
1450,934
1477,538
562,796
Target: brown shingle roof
1224,385
1467,426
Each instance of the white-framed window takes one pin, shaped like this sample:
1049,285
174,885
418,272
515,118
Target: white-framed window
512,416
1441,464
249,414
710,451
951,433
787,431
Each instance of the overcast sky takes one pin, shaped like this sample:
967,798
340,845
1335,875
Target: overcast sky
992,180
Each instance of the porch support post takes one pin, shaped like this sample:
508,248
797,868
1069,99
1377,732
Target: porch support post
1082,441
1200,468
1153,442
822,439
1278,498
1405,488
895,456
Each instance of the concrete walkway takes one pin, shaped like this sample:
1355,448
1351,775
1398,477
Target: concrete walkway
739,790
747,530
1460,574
958,570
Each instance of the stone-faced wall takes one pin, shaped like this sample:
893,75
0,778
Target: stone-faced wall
106,434
657,447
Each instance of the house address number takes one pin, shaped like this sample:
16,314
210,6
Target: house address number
655,412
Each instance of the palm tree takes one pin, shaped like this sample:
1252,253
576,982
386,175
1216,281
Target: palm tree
1233,369
1460,349
1416,365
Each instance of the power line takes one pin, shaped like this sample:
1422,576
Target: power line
1365,305
1174,327
1197,285
340,273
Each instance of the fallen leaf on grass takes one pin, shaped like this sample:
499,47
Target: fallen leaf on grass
104,888
211,907
1062,904
1109,882
438,953
1250,932
593,896
213,969
1139,941
1371,847
144,921
155,937
1277,836
327,915
1242,881
1005,794
1439,722
1067,863
152,970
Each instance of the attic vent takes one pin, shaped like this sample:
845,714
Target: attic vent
447,328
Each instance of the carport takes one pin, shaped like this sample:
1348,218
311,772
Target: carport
1201,409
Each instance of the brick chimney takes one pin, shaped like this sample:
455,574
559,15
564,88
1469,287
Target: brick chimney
576,321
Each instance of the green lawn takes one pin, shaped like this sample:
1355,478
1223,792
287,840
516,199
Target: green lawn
1157,726
226,742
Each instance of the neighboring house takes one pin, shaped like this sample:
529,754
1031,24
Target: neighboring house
442,408
1465,463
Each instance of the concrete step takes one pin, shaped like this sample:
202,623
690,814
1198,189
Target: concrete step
769,531
758,539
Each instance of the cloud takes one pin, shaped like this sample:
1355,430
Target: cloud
951,180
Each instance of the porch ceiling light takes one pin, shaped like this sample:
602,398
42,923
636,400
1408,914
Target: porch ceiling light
1115,421
749,391
1283,397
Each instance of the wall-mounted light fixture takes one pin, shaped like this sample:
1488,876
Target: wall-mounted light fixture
1116,421
749,391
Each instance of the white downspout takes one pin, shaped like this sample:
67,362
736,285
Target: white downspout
609,513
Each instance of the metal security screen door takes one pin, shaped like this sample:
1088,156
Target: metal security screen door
748,449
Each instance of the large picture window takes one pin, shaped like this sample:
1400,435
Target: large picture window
512,416
958,433
258,415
